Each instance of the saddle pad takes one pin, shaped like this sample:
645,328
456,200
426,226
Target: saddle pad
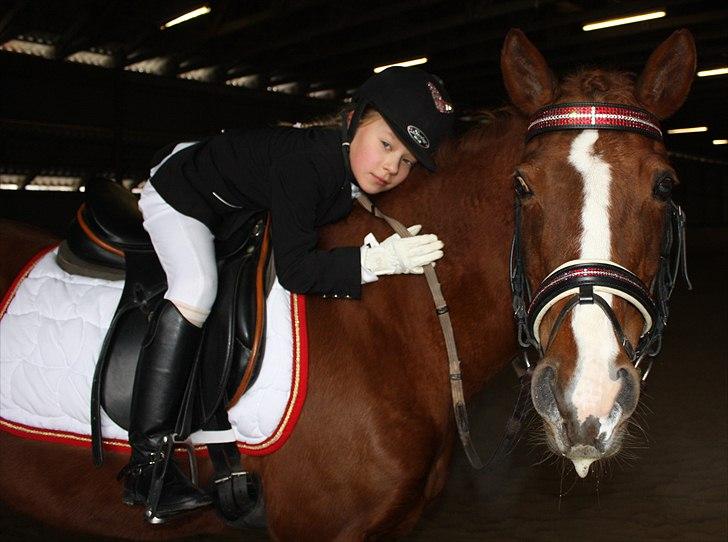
52,326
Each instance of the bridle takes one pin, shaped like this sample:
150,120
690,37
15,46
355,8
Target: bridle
584,282
581,281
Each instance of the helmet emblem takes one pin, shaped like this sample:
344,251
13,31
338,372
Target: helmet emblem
419,136
440,103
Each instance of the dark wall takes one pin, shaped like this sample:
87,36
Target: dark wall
85,120
50,210
703,191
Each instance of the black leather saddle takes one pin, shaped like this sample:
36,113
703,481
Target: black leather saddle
107,239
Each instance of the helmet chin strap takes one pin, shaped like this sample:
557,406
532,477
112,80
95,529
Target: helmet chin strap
346,136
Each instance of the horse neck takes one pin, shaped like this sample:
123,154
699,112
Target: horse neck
469,205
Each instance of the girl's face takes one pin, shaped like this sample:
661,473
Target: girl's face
379,160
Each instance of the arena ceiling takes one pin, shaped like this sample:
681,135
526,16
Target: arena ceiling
304,57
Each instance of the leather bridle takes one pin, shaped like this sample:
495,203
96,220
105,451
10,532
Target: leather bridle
580,281
584,282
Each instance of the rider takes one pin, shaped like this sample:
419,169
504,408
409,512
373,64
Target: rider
305,178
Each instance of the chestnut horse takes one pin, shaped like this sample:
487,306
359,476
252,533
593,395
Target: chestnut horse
377,431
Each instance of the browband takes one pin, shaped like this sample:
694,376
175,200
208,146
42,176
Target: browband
594,116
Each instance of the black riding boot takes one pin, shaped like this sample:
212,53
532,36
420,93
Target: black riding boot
165,362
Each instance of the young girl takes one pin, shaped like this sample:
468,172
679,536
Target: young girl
305,178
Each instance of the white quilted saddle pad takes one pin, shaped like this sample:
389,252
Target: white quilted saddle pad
50,338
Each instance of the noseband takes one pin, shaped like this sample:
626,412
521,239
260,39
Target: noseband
584,282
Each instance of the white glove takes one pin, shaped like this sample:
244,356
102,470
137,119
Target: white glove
398,255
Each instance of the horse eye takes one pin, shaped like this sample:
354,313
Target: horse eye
521,187
663,187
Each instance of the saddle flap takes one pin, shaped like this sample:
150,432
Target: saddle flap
114,379
118,379
235,329
232,342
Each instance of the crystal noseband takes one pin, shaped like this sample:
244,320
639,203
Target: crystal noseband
583,279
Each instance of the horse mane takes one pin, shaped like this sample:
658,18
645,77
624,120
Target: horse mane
492,125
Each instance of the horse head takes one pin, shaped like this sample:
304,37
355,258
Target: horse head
593,203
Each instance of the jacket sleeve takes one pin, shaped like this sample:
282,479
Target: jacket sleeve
296,193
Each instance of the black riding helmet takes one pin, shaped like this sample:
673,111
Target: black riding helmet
415,106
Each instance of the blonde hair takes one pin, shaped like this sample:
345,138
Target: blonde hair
334,121
370,115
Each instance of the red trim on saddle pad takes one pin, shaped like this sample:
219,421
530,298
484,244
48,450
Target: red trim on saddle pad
59,437
24,272
299,384
279,437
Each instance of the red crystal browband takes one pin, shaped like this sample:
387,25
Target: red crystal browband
594,116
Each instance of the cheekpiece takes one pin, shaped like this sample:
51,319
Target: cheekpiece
594,116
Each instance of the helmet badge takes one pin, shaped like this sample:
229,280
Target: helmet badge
440,103
419,136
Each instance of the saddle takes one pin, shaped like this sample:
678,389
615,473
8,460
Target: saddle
107,240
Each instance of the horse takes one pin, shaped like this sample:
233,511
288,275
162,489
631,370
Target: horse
376,435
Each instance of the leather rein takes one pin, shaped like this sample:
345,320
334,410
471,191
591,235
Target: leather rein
442,311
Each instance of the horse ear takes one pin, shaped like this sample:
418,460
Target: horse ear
527,77
665,82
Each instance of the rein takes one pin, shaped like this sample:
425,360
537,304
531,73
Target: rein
442,311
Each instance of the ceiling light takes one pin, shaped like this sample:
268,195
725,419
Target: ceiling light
323,94
156,65
692,130
720,142
93,58
204,10
623,20
28,48
200,74
56,183
249,81
11,182
716,71
405,63
285,88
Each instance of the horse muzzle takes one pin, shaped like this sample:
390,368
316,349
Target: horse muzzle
586,440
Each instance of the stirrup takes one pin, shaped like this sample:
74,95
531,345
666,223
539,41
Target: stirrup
161,464
191,460
157,483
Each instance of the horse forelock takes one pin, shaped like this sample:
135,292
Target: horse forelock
598,85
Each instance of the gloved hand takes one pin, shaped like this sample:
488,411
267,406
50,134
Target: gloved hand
397,255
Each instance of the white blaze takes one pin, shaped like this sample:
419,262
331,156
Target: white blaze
595,386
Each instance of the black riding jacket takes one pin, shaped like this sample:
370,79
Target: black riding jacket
299,175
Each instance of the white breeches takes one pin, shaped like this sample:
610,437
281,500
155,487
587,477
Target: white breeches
186,250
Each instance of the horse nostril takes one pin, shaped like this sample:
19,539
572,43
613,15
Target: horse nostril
542,393
629,392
